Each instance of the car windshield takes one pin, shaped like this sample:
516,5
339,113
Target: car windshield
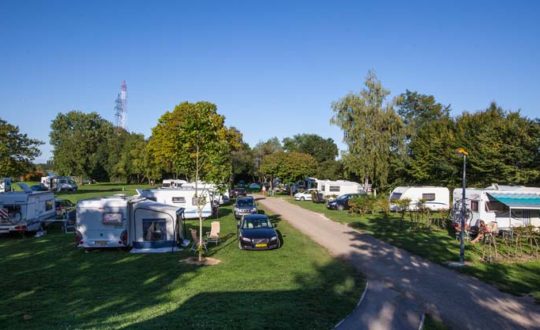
254,223
244,203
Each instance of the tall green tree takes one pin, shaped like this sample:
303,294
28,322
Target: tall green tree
80,144
503,146
17,150
320,148
197,144
288,166
430,142
372,131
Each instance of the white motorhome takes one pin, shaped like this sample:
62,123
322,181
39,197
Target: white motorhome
436,198
508,206
181,197
337,188
119,222
25,211
5,185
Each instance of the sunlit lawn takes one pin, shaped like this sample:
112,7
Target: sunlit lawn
47,283
439,246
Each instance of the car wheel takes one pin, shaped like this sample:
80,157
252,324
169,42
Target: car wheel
302,199
240,245
278,244
340,208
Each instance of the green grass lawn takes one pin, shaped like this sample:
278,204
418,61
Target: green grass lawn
47,283
520,278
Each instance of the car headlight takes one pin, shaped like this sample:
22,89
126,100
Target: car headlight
273,238
254,209
245,239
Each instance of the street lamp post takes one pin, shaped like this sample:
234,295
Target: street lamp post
463,152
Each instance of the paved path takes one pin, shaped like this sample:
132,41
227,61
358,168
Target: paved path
401,286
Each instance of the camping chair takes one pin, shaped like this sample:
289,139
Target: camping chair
195,241
213,235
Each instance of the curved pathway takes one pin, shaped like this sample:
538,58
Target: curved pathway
402,286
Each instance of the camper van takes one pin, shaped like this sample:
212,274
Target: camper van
5,185
181,197
507,206
119,222
25,211
337,188
436,198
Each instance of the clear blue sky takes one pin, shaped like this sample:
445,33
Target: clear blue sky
272,67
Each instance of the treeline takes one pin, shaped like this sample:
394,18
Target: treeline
412,139
408,140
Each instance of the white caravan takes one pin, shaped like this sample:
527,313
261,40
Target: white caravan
436,198
5,185
181,197
25,211
119,222
339,187
508,206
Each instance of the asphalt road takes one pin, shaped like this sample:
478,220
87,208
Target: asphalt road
402,287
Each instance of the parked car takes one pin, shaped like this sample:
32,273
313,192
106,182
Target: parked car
342,202
244,206
305,195
62,206
254,187
256,232
237,192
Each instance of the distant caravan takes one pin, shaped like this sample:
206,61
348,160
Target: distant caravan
434,198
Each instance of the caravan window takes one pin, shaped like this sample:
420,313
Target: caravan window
323,187
395,196
154,229
196,201
179,200
14,212
474,206
428,196
166,185
334,188
112,218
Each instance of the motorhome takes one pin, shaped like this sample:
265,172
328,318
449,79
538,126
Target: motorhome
120,222
25,211
59,183
336,188
507,206
182,197
434,198
5,185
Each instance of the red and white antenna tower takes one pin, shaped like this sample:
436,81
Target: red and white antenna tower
121,107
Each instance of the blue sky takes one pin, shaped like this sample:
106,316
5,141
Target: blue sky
272,67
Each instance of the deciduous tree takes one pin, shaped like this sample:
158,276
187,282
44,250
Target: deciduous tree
17,150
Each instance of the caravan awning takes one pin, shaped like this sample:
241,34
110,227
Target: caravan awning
518,201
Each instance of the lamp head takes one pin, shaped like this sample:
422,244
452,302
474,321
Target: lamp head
462,151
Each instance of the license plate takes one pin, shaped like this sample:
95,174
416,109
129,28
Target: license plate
261,245
101,243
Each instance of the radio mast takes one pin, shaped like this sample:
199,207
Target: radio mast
121,107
